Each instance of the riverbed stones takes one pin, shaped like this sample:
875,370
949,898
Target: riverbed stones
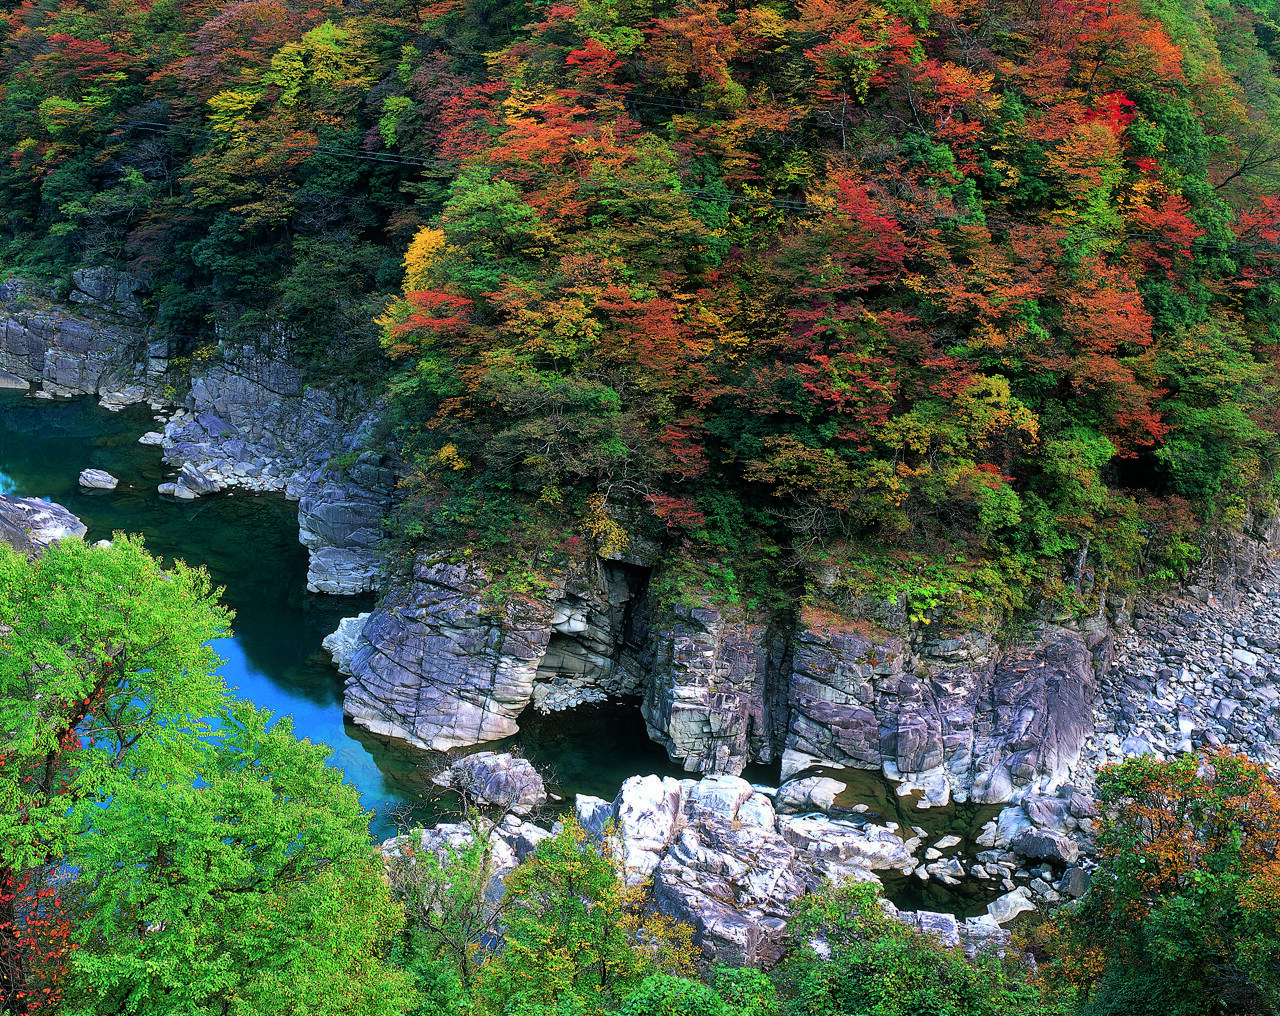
496,780
98,479
30,525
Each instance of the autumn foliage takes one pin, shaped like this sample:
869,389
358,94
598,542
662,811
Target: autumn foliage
1183,914
761,283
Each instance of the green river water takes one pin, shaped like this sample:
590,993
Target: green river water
249,544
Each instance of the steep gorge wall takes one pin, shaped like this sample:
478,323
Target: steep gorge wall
950,715
438,666
243,416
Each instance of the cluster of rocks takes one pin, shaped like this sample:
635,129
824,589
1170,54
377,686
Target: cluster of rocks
1189,675
719,856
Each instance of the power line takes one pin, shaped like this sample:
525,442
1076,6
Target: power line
439,165
716,197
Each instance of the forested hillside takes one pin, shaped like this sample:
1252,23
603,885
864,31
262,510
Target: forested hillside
969,298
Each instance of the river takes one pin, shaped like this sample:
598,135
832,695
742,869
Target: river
250,545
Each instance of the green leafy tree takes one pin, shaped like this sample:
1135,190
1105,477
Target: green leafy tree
1183,915
253,889
874,965
454,905
578,938
106,677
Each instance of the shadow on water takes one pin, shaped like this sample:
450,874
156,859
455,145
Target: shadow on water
875,799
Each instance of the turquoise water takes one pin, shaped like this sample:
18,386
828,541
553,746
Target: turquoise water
249,544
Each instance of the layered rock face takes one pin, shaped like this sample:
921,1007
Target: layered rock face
437,666
952,716
252,422
65,354
714,698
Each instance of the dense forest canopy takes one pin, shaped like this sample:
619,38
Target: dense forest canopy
967,298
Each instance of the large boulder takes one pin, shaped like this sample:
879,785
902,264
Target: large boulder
1035,714
29,525
496,780
98,479
1045,845
646,815
439,667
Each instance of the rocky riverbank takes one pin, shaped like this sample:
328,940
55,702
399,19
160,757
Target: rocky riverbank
720,858
240,417
948,720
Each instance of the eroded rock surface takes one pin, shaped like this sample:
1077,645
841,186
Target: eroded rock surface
439,667
712,699
494,780
30,525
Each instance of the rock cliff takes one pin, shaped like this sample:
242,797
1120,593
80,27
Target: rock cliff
240,416
439,666
946,717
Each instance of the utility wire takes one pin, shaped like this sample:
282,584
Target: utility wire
440,165
453,166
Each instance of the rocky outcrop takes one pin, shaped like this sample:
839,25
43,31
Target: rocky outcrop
65,354
30,525
246,418
716,856
342,644
340,520
953,716
711,698
123,293
439,668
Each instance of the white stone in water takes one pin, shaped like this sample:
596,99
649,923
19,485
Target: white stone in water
97,479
